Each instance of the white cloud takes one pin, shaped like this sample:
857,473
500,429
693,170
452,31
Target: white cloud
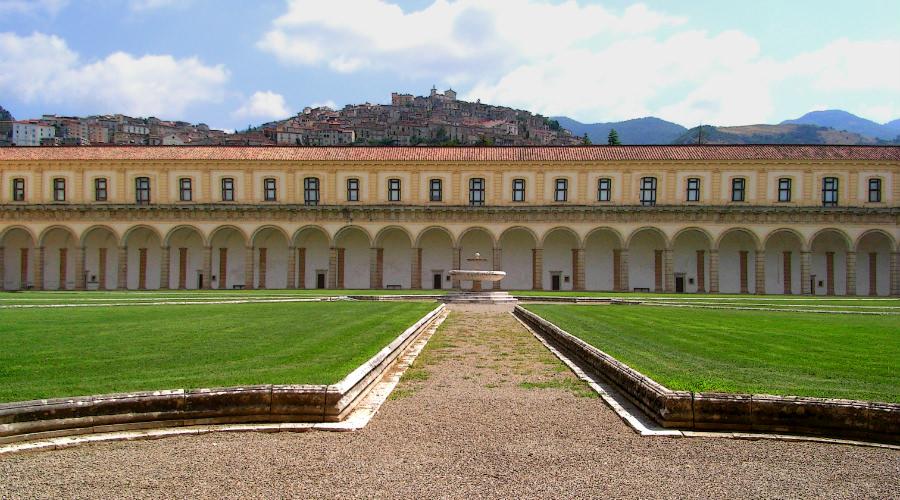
264,105
327,104
141,5
51,7
42,68
845,65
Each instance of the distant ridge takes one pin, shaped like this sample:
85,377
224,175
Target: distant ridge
773,134
647,130
839,119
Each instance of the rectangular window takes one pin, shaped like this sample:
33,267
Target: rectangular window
784,189
604,189
393,189
476,191
227,189
561,193
352,189
18,188
648,191
142,190
59,189
270,189
185,190
435,190
875,190
311,191
738,185
101,189
518,193
693,189
830,191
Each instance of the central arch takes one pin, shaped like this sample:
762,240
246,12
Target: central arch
352,247
738,262
828,262
394,259
229,254
435,245
143,253
603,260
517,246
646,266
312,244
476,240
17,244
58,244
690,248
270,257
101,259
784,248
185,259
561,246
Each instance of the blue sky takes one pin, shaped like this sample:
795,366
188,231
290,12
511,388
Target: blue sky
232,62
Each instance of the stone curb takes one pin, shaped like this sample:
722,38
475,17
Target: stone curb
873,421
53,418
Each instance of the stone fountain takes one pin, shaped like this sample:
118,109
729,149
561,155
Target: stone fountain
476,295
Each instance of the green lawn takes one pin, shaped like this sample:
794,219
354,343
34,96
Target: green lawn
79,351
786,353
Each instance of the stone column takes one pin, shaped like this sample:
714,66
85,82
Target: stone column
578,268
301,268
669,267
122,273
207,268
376,268
658,271
456,260
804,273
895,273
263,267
79,268
415,278
332,267
787,272
165,260
39,270
829,273
142,269
23,267
617,270
341,268
873,273
223,268
851,273
701,271
2,268
498,265
537,269
713,271
63,268
101,273
292,268
248,267
623,274
743,271
760,272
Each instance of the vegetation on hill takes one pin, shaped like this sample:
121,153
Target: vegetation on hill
5,115
844,121
772,134
647,130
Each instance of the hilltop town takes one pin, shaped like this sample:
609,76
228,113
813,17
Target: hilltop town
436,119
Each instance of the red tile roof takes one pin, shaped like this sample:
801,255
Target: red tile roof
456,154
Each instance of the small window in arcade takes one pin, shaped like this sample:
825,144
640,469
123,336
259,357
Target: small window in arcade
738,189
352,189
311,191
648,191
270,189
101,191
561,193
393,189
435,190
604,189
142,190
227,189
476,191
830,191
185,189
59,189
518,190
693,189
784,189
18,189
875,190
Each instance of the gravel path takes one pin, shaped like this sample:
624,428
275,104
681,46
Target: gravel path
485,411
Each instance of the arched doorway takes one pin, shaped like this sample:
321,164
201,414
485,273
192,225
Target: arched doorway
142,250
646,260
18,259
185,259
270,258
229,254
312,257
101,258
873,264
783,255
690,259
59,247
472,241
352,245
738,262
828,262
436,247
603,260
517,246
561,266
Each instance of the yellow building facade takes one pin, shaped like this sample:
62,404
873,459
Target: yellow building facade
728,219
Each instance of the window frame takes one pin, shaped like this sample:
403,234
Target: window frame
607,190
185,189
830,190
226,185
648,191
785,194
18,189
142,192
693,189
59,189
270,189
561,195
98,189
395,187
738,189
876,181
311,193
435,194
518,190
352,185
477,191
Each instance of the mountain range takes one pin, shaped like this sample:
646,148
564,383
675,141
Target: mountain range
817,127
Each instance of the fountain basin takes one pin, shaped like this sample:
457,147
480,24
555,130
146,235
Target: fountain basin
476,295
469,275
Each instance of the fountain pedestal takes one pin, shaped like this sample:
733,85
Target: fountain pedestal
476,295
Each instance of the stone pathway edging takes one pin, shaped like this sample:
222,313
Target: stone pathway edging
693,413
275,404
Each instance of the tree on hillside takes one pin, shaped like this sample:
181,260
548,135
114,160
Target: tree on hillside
613,138
586,141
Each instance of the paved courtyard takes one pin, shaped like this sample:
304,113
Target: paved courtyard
485,411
